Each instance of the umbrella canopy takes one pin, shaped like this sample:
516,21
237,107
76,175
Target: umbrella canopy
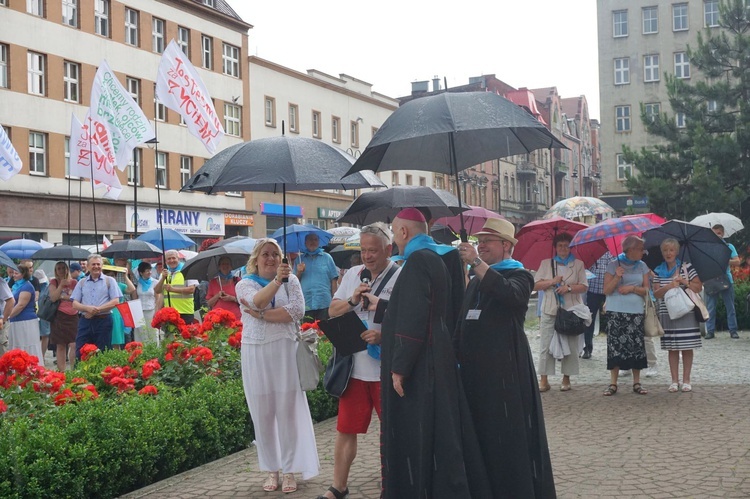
474,219
6,261
132,248
341,234
230,240
579,207
730,223
443,234
707,252
591,238
293,238
61,252
205,265
614,244
384,205
20,248
341,256
172,239
535,242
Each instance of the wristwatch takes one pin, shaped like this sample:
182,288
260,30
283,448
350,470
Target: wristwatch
262,313
476,262
351,303
570,290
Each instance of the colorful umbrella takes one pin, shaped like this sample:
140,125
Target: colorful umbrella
579,207
614,244
730,223
474,220
595,236
535,242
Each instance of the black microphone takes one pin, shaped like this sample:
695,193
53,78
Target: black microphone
365,276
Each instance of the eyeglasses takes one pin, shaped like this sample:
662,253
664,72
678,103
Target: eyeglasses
486,241
374,229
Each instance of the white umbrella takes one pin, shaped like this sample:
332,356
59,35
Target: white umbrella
730,223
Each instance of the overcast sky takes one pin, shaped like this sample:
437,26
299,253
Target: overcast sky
531,43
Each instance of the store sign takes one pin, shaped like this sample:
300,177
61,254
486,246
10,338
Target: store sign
329,213
240,219
201,223
277,210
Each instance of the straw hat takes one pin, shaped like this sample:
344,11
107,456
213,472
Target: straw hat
500,228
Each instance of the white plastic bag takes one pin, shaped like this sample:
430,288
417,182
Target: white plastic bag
678,303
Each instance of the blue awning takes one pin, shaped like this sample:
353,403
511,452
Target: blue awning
277,210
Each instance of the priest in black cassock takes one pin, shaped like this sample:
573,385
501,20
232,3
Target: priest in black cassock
497,368
429,448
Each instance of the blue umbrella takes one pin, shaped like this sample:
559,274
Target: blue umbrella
172,239
6,261
296,234
247,244
21,248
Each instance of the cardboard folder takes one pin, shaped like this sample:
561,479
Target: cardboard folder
344,332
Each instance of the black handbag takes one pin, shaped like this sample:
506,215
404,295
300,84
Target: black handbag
338,371
568,323
47,309
716,285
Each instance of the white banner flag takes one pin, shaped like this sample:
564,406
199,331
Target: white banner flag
92,140
108,191
10,163
112,104
180,88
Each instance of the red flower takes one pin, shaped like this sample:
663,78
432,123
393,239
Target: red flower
134,345
220,317
235,339
78,381
167,318
169,356
88,350
134,355
17,360
310,325
202,354
149,367
92,389
64,397
3,406
148,390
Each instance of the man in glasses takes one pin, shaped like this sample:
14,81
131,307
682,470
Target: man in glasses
497,368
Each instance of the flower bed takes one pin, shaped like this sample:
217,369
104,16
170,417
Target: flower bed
124,419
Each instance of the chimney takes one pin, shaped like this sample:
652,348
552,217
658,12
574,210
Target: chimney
435,83
418,87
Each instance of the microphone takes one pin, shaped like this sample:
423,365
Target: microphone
365,276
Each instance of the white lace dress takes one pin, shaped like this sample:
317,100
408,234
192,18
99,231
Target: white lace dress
281,417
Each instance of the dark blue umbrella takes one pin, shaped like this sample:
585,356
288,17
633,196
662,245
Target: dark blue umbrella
61,252
172,239
296,234
21,248
6,261
132,248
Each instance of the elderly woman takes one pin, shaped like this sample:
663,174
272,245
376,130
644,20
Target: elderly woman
146,290
24,323
563,280
683,334
271,310
221,289
626,285
64,328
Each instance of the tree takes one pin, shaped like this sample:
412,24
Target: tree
702,162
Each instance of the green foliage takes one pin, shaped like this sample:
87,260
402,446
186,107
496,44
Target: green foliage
741,290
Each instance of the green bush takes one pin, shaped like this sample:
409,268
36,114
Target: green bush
741,290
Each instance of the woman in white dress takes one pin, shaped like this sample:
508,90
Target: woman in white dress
271,310
145,288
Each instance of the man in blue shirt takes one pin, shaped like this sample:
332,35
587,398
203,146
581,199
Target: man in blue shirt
318,276
727,295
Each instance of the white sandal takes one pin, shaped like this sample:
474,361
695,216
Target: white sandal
289,484
271,483
686,387
673,388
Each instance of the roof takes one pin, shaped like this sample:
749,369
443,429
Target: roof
571,106
223,7
525,98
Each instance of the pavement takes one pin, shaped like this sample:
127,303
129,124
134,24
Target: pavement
661,445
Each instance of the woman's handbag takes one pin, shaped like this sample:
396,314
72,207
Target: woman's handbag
47,308
716,285
569,323
700,310
338,371
309,365
678,303
651,323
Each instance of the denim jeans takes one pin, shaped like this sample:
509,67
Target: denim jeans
711,300
97,330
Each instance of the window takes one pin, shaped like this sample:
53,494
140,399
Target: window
36,83
293,118
680,17
506,191
231,60
620,20
439,182
232,115
650,20
101,17
622,118
269,111
355,133
35,7
70,12
652,111
161,109
529,190
183,40
624,170
316,124
161,170
408,179
157,35
679,120
394,179
712,106
207,51
186,170
131,27
336,129
37,153
622,71
711,13
133,86
135,169
3,66
651,67
208,3
422,182
681,65
71,82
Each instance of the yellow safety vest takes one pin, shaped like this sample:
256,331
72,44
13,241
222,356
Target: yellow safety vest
182,303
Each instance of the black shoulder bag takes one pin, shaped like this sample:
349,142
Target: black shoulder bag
566,323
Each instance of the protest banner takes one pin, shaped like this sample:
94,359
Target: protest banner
90,140
132,313
10,163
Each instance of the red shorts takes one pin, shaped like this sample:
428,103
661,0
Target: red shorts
356,405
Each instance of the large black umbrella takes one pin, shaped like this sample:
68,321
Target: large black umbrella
132,248
449,132
205,265
342,256
6,261
705,251
384,205
61,252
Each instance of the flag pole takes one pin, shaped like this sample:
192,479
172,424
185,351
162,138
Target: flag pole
93,197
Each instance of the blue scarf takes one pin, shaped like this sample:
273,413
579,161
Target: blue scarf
423,241
18,284
627,261
317,252
258,279
177,268
228,276
145,283
662,270
567,260
506,265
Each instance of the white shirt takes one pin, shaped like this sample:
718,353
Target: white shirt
365,367
148,298
258,331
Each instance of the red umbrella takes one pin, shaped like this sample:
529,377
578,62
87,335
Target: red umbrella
592,239
474,220
535,242
614,244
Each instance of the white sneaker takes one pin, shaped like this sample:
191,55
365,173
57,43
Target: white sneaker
651,372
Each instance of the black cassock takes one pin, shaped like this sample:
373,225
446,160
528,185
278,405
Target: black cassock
500,383
429,448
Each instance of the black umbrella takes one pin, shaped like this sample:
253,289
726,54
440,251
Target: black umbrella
132,248
6,261
205,265
706,252
449,132
61,252
384,205
443,234
342,256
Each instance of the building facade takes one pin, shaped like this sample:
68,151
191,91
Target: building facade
640,41
49,54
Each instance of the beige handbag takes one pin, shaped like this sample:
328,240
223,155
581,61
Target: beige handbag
651,324
700,310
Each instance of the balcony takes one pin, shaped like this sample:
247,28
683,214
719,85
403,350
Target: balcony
561,168
525,168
